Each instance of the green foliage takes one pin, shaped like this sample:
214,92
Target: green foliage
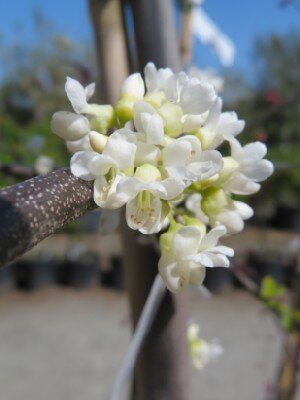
275,297
277,87
17,148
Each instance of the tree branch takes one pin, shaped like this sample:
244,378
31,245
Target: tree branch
34,209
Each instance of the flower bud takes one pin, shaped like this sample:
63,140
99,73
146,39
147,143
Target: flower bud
171,114
79,145
195,222
124,110
214,200
69,126
101,118
133,86
97,141
148,173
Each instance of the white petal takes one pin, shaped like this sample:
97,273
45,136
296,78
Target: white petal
214,115
230,125
128,188
166,189
121,149
80,163
236,149
240,184
69,126
202,259
102,164
79,145
77,96
226,251
198,98
257,170
134,86
174,276
146,154
254,151
212,237
90,90
218,260
192,123
139,219
176,153
197,274
154,78
243,209
139,108
105,195
173,85
193,202
153,126
231,220
186,241
210,163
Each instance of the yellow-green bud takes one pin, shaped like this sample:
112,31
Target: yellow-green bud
97,141
171,114
155,99
148,173
195,222
123,109
214,200
102,118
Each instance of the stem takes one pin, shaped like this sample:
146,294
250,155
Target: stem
149,311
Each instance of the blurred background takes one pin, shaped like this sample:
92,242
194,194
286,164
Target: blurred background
64,323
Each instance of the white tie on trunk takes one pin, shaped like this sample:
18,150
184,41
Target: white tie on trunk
208,33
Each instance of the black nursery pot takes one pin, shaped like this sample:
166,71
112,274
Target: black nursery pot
33,275
6,278
267,265
218,280
114,277
286,217
83,274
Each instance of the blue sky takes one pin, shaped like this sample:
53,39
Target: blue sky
241,20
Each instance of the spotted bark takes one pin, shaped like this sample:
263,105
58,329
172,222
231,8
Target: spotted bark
38,207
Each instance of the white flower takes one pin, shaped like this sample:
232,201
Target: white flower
231,214
201,351
106,169
189,254
78,95
233,218
146,196
147,121
133,86
250,167
155,78
184,159
219,126
192,95
193,204
79,145
69,126
149,136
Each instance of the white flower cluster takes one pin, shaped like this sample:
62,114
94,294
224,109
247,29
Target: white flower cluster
162,162
201,351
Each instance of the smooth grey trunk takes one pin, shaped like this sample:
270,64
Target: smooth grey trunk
107,21
162,368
